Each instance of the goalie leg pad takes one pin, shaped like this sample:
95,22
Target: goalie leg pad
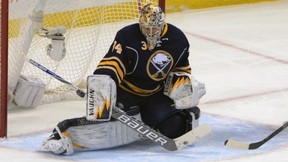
103,135
80,134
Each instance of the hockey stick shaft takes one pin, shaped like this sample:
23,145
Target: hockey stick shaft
59,78
251,146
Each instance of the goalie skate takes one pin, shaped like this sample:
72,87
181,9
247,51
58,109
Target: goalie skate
57,146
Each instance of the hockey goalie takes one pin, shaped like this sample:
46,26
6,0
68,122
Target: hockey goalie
147,74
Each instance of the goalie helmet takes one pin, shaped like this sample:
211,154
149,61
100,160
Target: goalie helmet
151,22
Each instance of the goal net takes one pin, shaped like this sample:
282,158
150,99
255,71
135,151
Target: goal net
88,28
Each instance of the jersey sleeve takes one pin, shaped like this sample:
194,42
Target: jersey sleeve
115,61
183,64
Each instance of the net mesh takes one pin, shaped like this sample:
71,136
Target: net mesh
90,25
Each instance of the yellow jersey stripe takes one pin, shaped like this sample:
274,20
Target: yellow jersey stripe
164,30
138,94
111,68
115,64
186,69
183,67
118,60
140,90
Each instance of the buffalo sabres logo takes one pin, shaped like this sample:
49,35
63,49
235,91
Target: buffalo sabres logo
159,65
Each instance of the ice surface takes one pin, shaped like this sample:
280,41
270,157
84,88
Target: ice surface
239,52
209,148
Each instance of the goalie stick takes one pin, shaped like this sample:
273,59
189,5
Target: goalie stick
41,67
251,146
138,126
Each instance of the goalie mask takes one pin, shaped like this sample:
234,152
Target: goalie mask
151,22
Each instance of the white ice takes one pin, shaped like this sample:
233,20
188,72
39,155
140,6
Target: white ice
239,52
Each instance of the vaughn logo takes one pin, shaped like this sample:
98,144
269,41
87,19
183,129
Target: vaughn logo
91,102
142,129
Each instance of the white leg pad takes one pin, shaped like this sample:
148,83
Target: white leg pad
103,135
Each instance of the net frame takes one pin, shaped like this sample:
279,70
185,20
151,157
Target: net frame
4,67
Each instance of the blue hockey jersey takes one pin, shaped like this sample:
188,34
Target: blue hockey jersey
141,71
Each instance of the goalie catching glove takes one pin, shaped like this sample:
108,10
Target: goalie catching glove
185,91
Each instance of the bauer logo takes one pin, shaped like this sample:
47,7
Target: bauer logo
142,129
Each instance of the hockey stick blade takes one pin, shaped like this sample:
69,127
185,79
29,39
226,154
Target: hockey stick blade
80,93
192,136
165,142
251,146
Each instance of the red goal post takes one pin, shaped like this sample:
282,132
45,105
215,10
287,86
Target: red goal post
4,67
89,30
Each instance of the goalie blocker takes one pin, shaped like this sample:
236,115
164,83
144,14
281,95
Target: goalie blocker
101,97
